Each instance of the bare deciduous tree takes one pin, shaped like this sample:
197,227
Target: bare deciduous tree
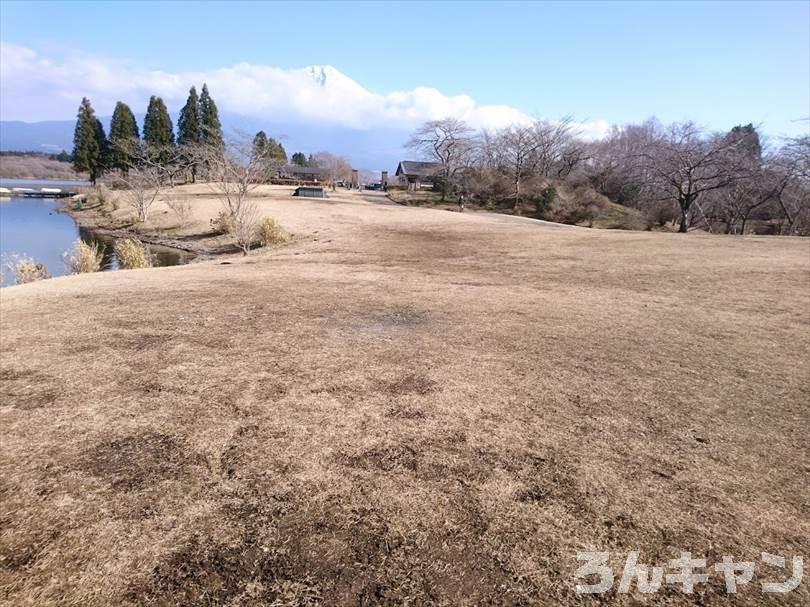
181,206
683,164
791,170
234,171
245,226
517,151
445,141
553,140
143,187
333,168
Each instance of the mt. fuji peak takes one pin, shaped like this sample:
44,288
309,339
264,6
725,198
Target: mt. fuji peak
329,77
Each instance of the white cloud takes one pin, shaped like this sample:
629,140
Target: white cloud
33,87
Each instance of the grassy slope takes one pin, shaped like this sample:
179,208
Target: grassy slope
618,217
612,217
404,404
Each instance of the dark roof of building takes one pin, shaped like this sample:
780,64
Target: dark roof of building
414,167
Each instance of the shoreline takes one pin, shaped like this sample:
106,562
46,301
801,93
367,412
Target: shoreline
90,219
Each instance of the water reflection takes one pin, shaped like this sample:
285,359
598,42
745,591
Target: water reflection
161,256
34,227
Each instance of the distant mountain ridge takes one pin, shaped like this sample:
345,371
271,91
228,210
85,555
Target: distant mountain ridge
373,150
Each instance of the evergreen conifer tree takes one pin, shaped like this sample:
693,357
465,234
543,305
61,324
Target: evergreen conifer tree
104,148
157,125
189,130
260,148
124,137
88,142
157,131
276,151
211,128
188,123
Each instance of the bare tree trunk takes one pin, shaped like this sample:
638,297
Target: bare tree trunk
684,223
705,219
790,220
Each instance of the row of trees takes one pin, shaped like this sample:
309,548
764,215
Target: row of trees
267,147
677,172
198,127
94,153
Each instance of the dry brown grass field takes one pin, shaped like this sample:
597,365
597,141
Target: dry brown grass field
406,406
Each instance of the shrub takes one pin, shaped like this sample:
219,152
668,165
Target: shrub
578,206
631,220
223,223
442,185
245,226
181,207
660,213
544,200
98,196
132,254
24,269
270,232
84,257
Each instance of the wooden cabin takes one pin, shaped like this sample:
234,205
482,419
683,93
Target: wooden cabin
415,173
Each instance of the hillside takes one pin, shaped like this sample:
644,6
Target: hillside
573,205
405,406
36,167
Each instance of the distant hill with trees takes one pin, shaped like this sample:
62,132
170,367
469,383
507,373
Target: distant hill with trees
37,165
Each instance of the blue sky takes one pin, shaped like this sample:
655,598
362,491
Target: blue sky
719,64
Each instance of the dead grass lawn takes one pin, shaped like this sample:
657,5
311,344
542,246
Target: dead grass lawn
405,406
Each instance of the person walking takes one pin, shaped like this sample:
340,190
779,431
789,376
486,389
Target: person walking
461,203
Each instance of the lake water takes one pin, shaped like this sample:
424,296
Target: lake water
33,227
43,183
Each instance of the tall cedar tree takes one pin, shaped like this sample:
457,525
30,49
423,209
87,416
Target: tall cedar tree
188,123
276,150
300,159
157,131
260,144
124,137
189,132
103,146
89,144
211,129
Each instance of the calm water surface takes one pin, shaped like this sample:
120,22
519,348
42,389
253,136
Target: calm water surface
34,227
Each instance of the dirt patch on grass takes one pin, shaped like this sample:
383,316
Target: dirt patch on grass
401,319
207,573
405,412
385,458
410,383
427,245
25,390
133,462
